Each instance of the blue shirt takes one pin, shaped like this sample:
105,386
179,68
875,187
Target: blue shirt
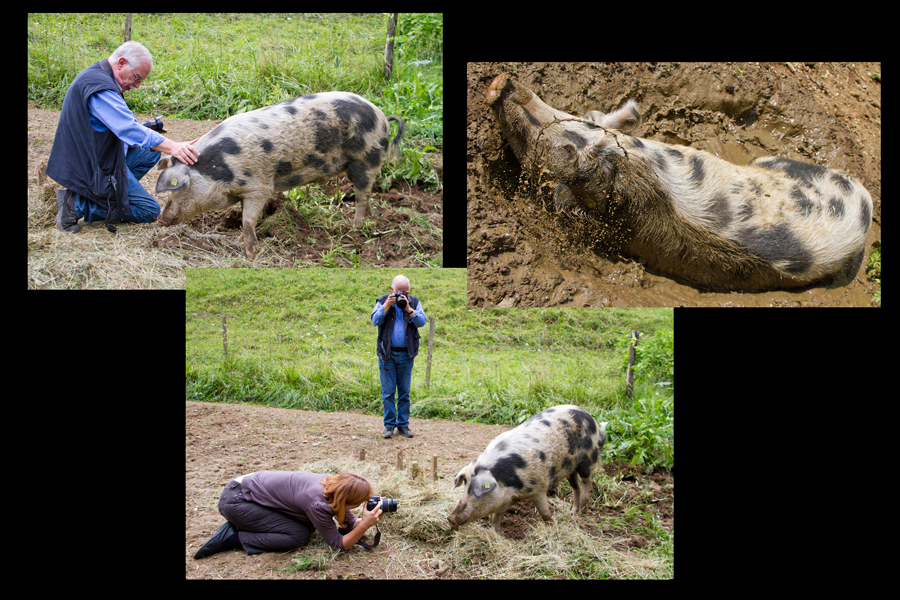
398,335
110,113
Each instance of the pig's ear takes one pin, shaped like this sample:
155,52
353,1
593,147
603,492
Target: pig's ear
164,163
483,483
625,119
460,477
171,182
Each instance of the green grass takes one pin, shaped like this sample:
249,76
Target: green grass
302,338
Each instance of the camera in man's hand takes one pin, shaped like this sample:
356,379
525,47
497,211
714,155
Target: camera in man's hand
155,124
387,504
401,302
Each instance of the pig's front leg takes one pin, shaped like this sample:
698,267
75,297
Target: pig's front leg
253,205
495,520
498,516
543,506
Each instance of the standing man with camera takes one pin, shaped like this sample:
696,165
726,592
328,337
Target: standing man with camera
100,150
398,316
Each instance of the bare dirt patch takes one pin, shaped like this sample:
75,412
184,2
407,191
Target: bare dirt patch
520,254
227,440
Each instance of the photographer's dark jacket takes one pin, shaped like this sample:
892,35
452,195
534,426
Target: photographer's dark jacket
386,329
82,159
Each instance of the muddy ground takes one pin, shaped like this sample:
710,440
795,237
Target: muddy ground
407,231
227,440
519,253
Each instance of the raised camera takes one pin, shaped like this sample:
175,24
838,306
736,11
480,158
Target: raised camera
387,504
401,299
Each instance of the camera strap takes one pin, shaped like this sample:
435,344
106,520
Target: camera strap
343,531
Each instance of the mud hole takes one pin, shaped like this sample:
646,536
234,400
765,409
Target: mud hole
408,229
227,440
522,254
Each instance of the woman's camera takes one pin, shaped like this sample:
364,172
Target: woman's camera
401,299
387,504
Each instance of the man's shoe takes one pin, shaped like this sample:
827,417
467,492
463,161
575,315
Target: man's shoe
66,218
388,433
405,432
226,538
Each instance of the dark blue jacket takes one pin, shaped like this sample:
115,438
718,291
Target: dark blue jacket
386,329
82,159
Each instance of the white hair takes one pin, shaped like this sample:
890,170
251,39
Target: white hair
135,54
399,279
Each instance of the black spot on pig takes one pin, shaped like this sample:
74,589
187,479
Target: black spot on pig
697,173
675,154
804,205
779,244
359,174
836,207
267,146
289,183
804,172
316,162
212,162
327,137
283,168
721,210
842,182
288,106
865,217
504,471
374,157
585,420
576,139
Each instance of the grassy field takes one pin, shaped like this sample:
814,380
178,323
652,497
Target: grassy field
302,338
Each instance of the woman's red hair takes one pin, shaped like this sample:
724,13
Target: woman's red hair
347,489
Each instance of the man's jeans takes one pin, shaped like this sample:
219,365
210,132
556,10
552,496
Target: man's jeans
396,374
144,207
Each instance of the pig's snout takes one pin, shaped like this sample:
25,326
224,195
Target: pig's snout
496,88
502,87
453,524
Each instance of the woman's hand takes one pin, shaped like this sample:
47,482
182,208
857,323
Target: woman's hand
367,520
371,518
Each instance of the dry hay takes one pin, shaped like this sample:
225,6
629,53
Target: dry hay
562,548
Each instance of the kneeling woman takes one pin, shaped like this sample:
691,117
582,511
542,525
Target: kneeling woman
271,511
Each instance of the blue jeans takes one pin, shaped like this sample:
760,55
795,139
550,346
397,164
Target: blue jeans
396,374
144,207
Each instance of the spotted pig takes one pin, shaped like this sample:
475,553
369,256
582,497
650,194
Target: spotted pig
563,442
248,157
775,223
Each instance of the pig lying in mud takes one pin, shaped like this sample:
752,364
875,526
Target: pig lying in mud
248,157
776,223
563,442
